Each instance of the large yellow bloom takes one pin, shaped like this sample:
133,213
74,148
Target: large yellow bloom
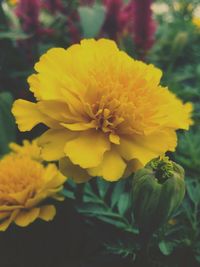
24,185
106,112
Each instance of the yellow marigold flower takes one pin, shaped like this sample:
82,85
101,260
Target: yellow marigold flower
196,22
106,112
24,185
28,148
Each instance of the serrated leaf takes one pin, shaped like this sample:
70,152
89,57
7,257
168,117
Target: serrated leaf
123,203
193,190
92,209
112,221
102,187
67,193
92,19
7,123
117,191
71,183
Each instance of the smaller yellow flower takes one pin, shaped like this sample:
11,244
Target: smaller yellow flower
24,185
196,22
28,148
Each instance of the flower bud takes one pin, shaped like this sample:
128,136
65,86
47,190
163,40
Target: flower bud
158,189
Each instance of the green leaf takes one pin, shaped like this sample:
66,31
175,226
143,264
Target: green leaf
92,210
166,247
193,189
112,221
197,257
92,19
117,191
67,193
7,123
123,203
102,187
13,35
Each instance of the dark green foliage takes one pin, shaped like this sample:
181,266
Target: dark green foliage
7,123
108,202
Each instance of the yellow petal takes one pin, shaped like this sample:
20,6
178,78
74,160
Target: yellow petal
87,150
79,126
52,177
21,197
46,85
4,214
54,109
111,168
73,171
145,148
58,197
10,208
39,197
53,143
4,225
132,166
24,218
28,115
47,213
115,139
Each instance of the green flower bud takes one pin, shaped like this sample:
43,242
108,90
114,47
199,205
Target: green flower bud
158,189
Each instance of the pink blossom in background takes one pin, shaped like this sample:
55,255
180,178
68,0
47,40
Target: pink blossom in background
87,2
73,29
53,5
144,26
118,18
28,12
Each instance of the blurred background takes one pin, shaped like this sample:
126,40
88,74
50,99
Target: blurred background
165,33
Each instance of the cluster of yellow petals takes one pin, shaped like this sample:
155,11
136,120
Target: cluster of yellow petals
24,184
106,112
27,149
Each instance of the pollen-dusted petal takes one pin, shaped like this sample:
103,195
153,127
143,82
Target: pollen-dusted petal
47,213
87,150
53,143
78,174
111,167
145,148
24,218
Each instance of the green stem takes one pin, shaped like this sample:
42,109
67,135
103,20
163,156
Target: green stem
142,257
